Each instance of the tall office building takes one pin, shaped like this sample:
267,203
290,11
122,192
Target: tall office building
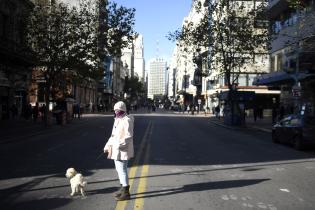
128,60
139,58
133,58
157,77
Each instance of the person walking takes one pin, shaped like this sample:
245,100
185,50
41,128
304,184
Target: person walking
120,148
35,112
188,108
217,111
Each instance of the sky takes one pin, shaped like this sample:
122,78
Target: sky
154,19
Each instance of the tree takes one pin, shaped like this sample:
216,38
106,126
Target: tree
233,32
134,88
66,41
115,27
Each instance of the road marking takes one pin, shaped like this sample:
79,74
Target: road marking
121,205
139,202
284,190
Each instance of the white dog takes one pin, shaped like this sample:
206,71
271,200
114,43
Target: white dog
76,181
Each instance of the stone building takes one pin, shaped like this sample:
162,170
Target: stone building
16,59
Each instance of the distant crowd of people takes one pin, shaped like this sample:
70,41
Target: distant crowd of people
29,112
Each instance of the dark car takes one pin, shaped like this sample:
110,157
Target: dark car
297,130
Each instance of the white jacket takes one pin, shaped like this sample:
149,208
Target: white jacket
121,140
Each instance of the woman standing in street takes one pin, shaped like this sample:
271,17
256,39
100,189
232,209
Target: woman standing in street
120,148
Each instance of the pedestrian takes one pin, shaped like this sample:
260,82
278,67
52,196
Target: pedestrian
35,112
14,111
217,111
188,108
43,112
120,148
255,113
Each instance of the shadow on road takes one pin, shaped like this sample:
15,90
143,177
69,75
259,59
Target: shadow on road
246,168
175,141
46,203
200,187
101,191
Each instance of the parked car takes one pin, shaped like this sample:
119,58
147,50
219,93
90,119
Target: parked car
297,130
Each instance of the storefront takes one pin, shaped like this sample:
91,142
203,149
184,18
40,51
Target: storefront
296,89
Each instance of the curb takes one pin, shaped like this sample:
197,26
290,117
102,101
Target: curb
227,126
260,129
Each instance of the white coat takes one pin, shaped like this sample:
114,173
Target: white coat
121,140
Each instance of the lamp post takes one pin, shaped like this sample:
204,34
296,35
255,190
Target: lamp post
207,107
197,80
185,82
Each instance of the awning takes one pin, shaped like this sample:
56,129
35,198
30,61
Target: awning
280,77
238,95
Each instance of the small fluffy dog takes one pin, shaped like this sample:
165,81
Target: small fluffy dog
76,181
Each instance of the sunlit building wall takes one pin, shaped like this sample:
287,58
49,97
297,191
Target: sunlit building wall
157,77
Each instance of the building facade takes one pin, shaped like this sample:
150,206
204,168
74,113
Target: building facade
128,59
292,55
157,78
16,59
213,81
139,63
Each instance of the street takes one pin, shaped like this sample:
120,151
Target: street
181,162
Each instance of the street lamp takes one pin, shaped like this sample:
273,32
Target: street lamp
197,80
185,81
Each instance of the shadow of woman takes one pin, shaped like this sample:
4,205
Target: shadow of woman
199,187
101,191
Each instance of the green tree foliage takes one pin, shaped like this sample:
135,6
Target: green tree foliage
115,27
68,40
64,42
134,87
233,32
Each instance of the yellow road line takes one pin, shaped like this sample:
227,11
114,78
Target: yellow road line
121,205
139,201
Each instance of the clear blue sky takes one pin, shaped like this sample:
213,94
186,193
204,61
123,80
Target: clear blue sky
154,19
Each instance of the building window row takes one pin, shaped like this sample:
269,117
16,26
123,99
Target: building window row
290,17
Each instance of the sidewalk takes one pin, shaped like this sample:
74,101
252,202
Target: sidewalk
264,124
19,129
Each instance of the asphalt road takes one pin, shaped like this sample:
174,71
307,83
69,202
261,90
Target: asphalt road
181,162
